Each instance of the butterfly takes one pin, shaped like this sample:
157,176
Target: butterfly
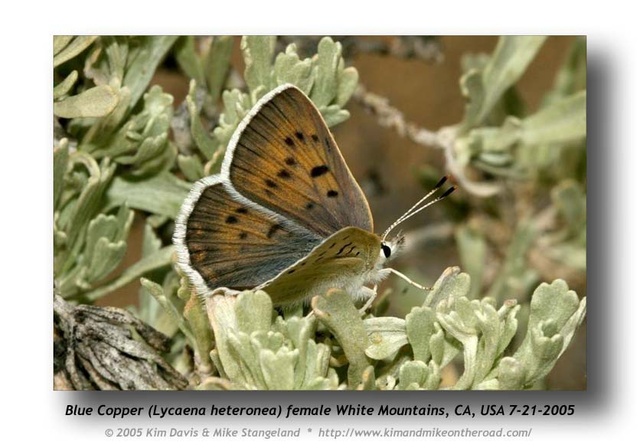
285,215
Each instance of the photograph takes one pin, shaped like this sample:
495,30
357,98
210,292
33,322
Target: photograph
320,213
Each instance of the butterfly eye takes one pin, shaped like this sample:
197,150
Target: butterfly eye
386,250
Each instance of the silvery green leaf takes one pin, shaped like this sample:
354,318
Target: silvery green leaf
346,86
491,384
553,302
59,237
157,260
571,202
269,340
336,310
162,194
142,142
236,105
203,140
278,368
150,310
318,375
217,63
96,102
67,47
472,248
191,167
107,129
297,329
434,378
329,65
107,256
200,328
188,58
91,197
253,312
516,276
508,312
511,374
106,243
413,375
512,56
460,322
158,293
387,335
561,121
142,63
60,166
60,42
147,149
420,327
334,115
64,87
243,355
437,346
572,76
290,69
452,283
490,327
555,314
258,55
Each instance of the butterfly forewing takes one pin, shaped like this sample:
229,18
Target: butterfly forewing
341,261
292,166
233,244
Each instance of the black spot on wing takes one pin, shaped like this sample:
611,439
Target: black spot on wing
344,247
290,161
231,219
319,170
273,229
289,141
332,193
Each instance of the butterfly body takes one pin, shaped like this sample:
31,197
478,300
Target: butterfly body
348,260
284,215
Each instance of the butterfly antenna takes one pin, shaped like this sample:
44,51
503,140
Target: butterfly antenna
415,209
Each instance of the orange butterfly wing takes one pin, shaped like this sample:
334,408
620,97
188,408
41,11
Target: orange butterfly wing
283,192
285,159
226,241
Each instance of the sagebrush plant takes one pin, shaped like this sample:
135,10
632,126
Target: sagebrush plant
123,151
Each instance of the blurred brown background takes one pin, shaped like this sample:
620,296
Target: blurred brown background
387,165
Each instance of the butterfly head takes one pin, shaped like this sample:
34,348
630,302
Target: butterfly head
389,249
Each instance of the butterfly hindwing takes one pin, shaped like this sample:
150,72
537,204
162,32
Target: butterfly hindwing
293,166
340,261
223,240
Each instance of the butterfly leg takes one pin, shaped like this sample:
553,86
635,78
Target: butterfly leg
370,294
405,278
